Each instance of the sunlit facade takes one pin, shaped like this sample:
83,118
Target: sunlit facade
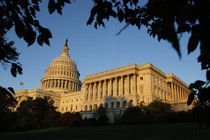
115,89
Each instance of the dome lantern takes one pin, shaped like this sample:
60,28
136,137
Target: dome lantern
65,50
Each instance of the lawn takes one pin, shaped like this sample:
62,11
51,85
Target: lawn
171,131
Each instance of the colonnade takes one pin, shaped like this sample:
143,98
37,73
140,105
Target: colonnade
61,84
178,92
168,90
116,86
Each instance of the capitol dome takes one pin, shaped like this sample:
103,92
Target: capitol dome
62,74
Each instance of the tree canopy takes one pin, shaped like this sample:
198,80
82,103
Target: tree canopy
36,113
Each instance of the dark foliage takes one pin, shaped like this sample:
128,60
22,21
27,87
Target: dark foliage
156,112
132,115
202,114
36,113
7,105
100,116
71,119
158,107
89,122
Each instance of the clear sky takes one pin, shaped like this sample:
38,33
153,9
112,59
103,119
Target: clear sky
97,50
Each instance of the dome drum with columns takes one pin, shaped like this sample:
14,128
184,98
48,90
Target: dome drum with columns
62,74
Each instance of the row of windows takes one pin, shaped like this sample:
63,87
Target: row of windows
63,72
71,100
111,105
70,108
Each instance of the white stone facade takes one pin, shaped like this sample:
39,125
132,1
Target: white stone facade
115,89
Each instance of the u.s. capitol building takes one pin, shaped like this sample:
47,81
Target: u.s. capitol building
114,89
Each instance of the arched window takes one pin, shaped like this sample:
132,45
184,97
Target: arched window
95,106
124,104
130,103
118,104
85,108
112,105
106,105
90,108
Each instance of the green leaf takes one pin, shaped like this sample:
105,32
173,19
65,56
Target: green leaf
13,70
33,13
11,90
120,15
190,98
204,95
30,36
51,6
116,4
208,75
92,15
194,39
19,28
197,84
170,33
193,43
40,40
19,69
183,28
95,25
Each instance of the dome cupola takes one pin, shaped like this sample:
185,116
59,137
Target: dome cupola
62,74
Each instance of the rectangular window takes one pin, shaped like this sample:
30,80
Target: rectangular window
141,90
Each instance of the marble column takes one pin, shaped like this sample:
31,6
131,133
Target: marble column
122,86
99,90
104,88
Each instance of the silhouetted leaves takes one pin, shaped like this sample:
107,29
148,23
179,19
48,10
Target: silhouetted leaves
51,6
15,68
208,75
7,101
197,85
44,36
101,10
183,28
11,90
120,15
201,91
22,16
191,98
204,95
194,39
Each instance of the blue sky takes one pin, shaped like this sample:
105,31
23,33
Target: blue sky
97,50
